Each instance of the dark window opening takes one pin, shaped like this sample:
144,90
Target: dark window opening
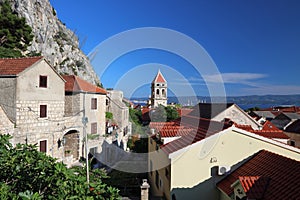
43,111
94,103
43,81
43,146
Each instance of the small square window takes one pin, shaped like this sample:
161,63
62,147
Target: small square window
43,81
94,103
43,111
94,128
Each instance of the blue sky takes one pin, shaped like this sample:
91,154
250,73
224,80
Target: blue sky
255,45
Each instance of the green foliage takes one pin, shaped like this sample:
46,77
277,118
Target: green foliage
172,113
29,174
109,115
15,34
136,119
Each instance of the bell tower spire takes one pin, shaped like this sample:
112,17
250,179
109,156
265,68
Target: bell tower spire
159,90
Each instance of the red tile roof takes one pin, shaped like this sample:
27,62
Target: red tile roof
14,66
269,130
159,78
169,129
201,128
76,84
248,182
278,177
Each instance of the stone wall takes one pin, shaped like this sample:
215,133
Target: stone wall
8,96
6,126
72,104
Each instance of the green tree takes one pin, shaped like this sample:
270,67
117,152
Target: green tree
136,119
172,113
109,115
15,34
29,174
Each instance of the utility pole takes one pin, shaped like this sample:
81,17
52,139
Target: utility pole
84,122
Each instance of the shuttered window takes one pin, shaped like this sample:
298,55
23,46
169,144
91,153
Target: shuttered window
43,146
94,103
94,128
43,111
43,81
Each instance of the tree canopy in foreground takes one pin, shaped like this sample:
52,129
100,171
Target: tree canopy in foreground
27,173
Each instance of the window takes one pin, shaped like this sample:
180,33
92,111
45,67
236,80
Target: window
43,81
157,91
43,146
157,84
94,103
43,111
94,128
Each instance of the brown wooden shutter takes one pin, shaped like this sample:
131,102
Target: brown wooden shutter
43,111
94,103
43,146
43,81
94,128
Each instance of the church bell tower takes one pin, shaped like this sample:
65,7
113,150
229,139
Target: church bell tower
159,90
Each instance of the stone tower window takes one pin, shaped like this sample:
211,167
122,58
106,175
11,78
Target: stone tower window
163,92
157,91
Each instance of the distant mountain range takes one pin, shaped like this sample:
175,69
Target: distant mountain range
261,101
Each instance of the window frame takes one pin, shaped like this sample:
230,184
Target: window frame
94,103
45,147
43,81
94,128
43,111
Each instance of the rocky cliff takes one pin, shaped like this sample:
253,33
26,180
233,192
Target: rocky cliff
58,44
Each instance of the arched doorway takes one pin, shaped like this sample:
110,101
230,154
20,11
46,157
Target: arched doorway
71,144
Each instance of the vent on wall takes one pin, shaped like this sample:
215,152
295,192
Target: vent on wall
222,169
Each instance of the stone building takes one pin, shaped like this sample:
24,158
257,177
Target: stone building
84,103
159,90
32,97
120,112
38,106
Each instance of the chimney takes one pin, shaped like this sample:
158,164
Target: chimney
145,190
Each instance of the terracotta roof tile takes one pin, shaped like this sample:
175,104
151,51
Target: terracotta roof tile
200,129
169,129
14,66
269,130
76,84
278,177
